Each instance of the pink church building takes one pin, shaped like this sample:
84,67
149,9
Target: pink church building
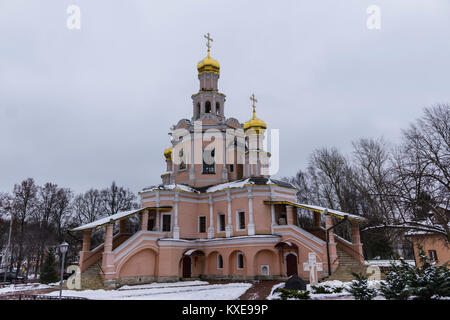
218,214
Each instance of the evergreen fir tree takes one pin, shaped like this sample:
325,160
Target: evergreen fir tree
425,282
360,288
48,269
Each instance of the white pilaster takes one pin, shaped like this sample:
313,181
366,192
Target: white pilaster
229,227
251,225
158,213
272,208
211,218
176,229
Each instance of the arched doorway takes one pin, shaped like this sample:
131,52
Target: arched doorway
291,264
186,267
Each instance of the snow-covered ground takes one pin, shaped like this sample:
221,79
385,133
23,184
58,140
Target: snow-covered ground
183,290
344,295
24,287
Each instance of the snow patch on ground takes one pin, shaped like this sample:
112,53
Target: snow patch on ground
23,287
344,295
192,290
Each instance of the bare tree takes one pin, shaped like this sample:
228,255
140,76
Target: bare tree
62,212
422,165
88,207
116,199
24,205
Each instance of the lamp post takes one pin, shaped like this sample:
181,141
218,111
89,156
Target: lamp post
62,250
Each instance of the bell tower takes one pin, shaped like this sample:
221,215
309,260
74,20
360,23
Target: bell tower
208,102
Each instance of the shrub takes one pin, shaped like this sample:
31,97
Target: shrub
360,288
410,282
293,294
325,289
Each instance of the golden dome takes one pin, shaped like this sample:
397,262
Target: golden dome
208,65
255,123
168,153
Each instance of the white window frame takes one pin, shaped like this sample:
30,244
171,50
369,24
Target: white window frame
224,223
198,224
162,222
238,223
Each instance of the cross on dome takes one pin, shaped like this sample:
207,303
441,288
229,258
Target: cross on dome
208,37
254,101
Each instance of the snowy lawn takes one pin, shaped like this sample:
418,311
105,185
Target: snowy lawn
24,287
343,295
183,290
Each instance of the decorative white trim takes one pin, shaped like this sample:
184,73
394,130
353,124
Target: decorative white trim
255,240
268,269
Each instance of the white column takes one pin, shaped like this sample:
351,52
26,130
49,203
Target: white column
251,225
272,208
229,227
176,229
158,213
211,218
192,168
224,168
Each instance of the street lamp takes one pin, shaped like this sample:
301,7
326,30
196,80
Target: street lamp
62,250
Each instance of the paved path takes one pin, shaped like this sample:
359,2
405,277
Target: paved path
259,291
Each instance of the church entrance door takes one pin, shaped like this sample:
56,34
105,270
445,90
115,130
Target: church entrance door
186,267
291,264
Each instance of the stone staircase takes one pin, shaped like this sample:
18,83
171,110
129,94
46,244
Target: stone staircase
347,265
90,278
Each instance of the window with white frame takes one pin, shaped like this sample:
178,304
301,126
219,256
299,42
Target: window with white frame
240,220
221,222
166,222
202,224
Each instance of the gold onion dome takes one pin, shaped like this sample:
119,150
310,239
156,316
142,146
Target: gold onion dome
208,65
168,153
255,123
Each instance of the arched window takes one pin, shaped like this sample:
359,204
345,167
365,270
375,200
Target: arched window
208,107
198,110
217,108
219,261
240,260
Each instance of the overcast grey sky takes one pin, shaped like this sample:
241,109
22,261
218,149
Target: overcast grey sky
81,108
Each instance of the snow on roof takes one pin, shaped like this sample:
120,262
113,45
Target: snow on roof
319,209
223,186
115,217
179,187
333,212
387,263
229,185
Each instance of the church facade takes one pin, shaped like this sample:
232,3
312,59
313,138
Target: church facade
217,214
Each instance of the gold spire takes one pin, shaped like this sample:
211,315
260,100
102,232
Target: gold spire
208,64
254,123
